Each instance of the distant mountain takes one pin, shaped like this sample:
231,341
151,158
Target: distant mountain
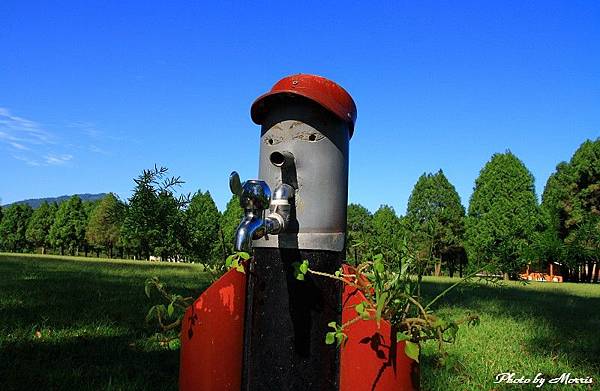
35,202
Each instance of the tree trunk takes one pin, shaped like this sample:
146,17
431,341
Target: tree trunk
43,250
594,274
437,269
506,277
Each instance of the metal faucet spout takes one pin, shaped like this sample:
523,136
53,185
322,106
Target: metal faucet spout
251,227
255,199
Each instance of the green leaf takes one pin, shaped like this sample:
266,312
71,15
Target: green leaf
330,337
240,268
174,344
304,267
401,336
341,337
380,305
229,260
170,309
333,325
412,350
378,266
300,277
150,313
244,255
360,308
147,289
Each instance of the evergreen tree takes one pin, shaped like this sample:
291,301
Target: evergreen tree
503,215
388,234
68,230
141,223
173,235
435,220
105,222
203,218
154,222
14,226
571,210
230,219
359,228
39,226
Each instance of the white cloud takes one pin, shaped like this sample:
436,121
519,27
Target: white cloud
29,142
57,160
22,130
28,161
18,146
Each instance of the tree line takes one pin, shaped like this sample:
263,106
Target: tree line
504,226
155,222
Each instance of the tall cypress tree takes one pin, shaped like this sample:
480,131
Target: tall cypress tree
14,226
104,225
230,219
503,215
388,234
435,220
360,229
68,230
39,226
571,207
202,219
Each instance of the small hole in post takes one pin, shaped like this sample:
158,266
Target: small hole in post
270,141
277,159
312,137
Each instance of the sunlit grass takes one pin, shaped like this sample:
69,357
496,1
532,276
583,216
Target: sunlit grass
77,323
545,328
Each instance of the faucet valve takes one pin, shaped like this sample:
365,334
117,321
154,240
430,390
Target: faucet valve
255,199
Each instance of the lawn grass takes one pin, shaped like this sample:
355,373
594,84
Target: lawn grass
545,328
89,314
78,323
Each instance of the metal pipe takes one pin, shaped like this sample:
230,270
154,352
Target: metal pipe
281,159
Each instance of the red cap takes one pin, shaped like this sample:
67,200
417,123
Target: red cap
316,88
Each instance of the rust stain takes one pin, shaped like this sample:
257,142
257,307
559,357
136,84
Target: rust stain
227,295
310,136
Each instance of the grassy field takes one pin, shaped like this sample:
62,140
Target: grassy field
526,329
77,323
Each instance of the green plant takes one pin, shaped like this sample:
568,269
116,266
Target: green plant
168,312
393,295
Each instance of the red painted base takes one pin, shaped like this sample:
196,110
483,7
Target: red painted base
212,337
212,344
371,359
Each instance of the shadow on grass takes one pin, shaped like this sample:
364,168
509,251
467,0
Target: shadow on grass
569,323
85,363
91,318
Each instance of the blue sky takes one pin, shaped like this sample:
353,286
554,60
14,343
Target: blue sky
91,93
